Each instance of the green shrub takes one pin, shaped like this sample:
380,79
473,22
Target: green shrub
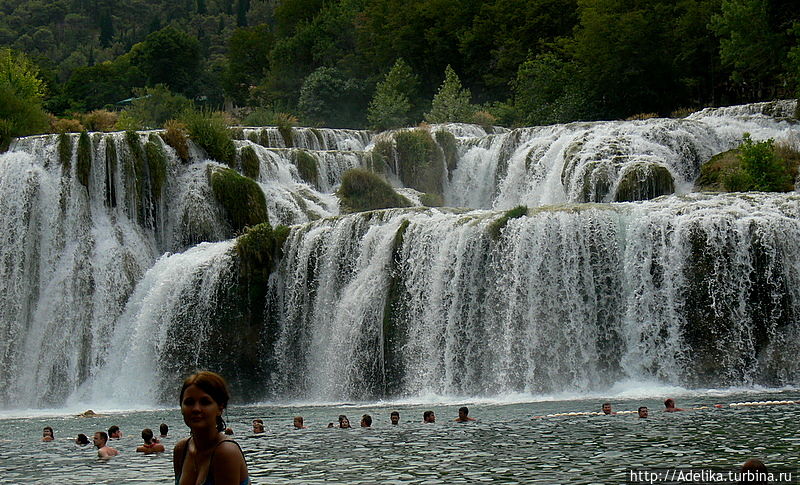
153,107
99,120
452,102
209,131
391,106
382,156
714,171
421,162
21,93
251,166
306,166
84,163
496,227
362,190
65,125
240,197
761,169
134,166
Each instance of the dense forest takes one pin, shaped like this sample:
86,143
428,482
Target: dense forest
379,63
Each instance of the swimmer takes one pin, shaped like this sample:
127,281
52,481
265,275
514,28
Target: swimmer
394,417
103,450
607,408
298,423
366,421
642,411
463,415
229,431
669,404
150,445
330,425
114,433
82,440
258,426
47,434
207,456
428,417
164,429
753,472
343,421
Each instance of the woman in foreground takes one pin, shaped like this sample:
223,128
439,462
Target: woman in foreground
207,457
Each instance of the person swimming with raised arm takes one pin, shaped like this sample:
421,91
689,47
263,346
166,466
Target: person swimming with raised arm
103,450
463,415
150,445
669,405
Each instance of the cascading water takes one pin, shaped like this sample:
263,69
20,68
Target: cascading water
691,289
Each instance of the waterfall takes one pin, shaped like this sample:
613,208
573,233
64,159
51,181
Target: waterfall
120,268
699,289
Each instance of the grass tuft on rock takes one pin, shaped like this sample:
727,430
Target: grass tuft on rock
211,133
420,160
496,227
174,135
362,190
259,249
240,197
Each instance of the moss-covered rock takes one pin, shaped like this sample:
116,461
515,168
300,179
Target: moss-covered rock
240,197
420,160
644,181
447,142
496,227
306,166
362,190
382,157
65,151
394,328
598,178
111,171
714,171
175,135
251,166
431,200
84,162
157,165
286,134
259,249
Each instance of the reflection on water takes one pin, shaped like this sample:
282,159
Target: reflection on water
504,446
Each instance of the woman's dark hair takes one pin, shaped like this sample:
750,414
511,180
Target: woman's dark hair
212,384
48,428
82,439
164,429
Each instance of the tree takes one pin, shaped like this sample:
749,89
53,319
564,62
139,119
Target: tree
248,60
170,57
391,105
452,102
21,93
328,98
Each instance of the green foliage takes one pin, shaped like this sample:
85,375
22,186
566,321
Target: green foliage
391,105
21,93
431,200
170,57
251,167
157,165
175,135
210,132
103,84
452,102
761,169
714,171
84,163
496,227
153,107
306,166
420,160
748,44
328,98
548,90
240,197
248,61
362,190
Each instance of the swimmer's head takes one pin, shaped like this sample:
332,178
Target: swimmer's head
394,417
147,435
212,384
606,408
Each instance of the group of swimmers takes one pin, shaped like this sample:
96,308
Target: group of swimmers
101,438
209,456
